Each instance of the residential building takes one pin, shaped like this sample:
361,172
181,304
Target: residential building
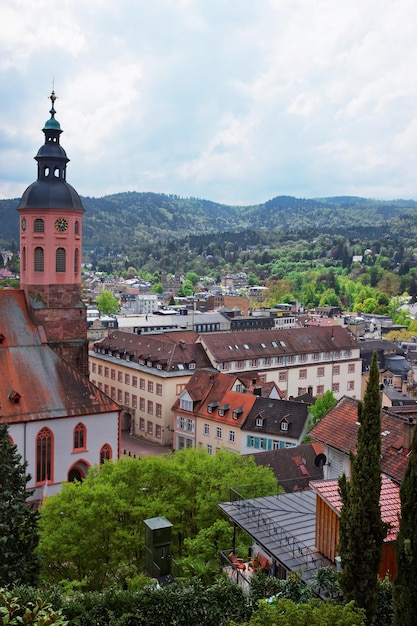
210,412
142,304
395,371
274,424
338,432
99,327
298,360
225,411
144,374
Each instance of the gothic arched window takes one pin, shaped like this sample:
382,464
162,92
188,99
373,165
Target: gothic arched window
44,455
80,437
106,453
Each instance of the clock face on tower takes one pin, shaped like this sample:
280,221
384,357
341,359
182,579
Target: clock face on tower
61,225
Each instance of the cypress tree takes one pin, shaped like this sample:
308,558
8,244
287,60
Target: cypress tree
362,531
405,583
18,521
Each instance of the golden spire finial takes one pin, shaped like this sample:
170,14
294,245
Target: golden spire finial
53,97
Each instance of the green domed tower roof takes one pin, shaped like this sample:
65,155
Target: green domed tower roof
51,190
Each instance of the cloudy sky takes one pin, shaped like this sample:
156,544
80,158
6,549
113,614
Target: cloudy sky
235,101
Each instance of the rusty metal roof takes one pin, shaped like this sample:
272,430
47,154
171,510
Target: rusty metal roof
47,386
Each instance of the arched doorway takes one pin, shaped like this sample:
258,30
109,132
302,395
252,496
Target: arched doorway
78,471
126,422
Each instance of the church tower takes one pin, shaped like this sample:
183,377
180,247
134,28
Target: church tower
51,215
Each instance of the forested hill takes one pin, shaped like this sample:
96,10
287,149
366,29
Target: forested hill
128,218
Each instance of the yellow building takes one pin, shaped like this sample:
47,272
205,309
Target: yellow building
144,374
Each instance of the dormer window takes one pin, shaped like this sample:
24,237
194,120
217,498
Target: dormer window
191,366
212,406
186,405
284,425
237,412
14,396
2,338
223,409
259,421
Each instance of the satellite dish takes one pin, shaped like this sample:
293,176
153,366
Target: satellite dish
320,460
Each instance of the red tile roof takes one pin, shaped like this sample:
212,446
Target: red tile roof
211,386
339,429
328,490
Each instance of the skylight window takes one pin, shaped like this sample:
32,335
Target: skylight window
245,345
282,343
274,344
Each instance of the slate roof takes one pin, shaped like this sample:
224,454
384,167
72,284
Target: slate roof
172,350
293,467
339,430
46,385
389,501
240,345
273,413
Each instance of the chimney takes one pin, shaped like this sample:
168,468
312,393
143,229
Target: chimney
408,434
404,388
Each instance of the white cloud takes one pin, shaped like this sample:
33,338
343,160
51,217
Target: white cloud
232,101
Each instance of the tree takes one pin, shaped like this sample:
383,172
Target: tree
19,563
91,528
322,406
107,303
361,529
405,583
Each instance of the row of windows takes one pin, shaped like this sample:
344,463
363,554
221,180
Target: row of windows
45,451
219,432
149,428
350,386
39,226
60,260
321,371
128,399
289,359
127,379
263,443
